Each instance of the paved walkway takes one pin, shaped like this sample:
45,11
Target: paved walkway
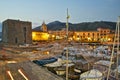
29,69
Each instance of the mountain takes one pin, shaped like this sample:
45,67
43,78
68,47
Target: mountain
0,27
56,25
0,30
92,26
85,26
0,34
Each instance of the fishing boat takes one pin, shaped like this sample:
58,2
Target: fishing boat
118,71
57,63
53,65
102,66
91,75
61,70
45,61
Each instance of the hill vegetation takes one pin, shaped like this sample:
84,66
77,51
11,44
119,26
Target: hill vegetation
85,26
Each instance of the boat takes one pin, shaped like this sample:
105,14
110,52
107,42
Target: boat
57,63
102,66
74,74
118,71
91,75
45,61
61,70
51,66
84,62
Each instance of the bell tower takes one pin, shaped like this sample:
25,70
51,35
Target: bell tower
44,27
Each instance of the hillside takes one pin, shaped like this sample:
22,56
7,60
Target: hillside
0,34
0,27
86,26
0,30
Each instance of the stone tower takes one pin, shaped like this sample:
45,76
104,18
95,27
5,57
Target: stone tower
16,32
44,27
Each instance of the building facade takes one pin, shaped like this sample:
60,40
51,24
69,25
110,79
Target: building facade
16,32
86,36
38,35
104,34
41,34
100,35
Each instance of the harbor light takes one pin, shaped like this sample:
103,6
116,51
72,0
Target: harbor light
77,39
53,36
47,52
109,39
89,38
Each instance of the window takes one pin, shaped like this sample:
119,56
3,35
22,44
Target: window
24,33
97,34
88,34
16,40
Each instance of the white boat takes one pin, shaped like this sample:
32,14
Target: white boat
102,66
118,71
62,70
91,75
58,63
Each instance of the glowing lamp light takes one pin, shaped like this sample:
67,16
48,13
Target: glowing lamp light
47,52
33,34
53,36
78,38
109,39
88,38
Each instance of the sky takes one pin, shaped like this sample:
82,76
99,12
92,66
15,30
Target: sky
38,11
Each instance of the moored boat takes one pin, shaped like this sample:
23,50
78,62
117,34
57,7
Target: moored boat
45,61
91,75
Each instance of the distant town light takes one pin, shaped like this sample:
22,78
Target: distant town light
89,38
47,52
78,38
109,39
53,36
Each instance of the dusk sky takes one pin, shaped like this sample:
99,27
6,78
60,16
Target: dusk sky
38,11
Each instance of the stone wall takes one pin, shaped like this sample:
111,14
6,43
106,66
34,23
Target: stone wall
17,32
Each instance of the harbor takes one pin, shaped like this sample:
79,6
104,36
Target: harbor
59,40
84,61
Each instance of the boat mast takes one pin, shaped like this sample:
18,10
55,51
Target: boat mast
111,59
67,26
118,24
